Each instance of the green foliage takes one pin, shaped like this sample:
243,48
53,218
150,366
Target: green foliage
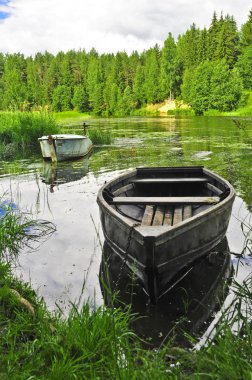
196,87
152,75
212,85
227,42
244,65
125,103
226,88
246,32
167,68
80,99
61,99
120,84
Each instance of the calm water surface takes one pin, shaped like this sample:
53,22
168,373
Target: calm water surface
66,267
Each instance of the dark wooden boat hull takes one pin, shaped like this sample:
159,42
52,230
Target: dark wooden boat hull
157,253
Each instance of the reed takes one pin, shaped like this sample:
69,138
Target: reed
19,131
100,136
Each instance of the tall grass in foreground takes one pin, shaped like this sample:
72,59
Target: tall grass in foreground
100,136
19,131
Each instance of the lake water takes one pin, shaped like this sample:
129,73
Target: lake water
65,268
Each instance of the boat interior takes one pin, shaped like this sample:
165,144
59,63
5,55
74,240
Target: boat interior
157,198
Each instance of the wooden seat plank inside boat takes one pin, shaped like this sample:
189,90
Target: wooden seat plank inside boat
169,180
164,200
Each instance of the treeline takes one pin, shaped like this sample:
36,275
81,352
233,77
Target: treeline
208,69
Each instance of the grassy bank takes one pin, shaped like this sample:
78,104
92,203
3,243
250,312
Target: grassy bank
19,131
98,344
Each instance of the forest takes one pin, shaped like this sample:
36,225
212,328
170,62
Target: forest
208,69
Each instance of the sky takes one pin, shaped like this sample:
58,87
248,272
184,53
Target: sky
31,26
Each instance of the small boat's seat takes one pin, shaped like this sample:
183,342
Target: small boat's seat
164,200
171,180
166,215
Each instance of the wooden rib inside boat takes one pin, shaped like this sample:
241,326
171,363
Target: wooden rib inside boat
159,220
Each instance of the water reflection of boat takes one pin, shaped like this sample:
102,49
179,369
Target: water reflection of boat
62,172
162,219
188,305
64,146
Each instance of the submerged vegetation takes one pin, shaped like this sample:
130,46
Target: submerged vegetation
98,343
19,131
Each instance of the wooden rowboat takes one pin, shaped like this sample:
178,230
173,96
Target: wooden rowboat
65,146
159,220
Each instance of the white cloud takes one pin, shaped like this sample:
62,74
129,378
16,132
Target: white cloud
107,25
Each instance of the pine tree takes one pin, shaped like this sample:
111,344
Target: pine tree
203,46
213,34
246,32
244,66
14,83
80,99
139,87
225,88
228,41
125,103
196,87
61,100
188,47
152,75
167,68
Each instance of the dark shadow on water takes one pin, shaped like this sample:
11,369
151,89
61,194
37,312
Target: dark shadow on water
187,308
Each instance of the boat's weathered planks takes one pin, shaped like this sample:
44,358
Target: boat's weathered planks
148,216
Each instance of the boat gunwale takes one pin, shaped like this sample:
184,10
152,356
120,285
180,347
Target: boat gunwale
63,137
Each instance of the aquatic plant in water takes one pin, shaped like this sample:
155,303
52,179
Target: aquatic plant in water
100,136
18,229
